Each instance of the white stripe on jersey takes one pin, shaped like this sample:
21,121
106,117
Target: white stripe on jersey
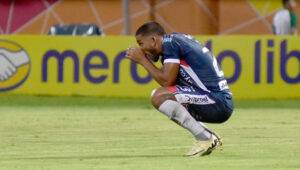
172,60
193,75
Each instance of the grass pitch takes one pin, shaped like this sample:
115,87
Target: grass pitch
100,133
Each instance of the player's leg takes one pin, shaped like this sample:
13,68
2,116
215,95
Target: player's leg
202,106
217,112
164,100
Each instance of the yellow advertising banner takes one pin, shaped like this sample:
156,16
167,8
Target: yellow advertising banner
255,66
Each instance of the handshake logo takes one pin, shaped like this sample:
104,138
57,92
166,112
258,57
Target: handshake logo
14,65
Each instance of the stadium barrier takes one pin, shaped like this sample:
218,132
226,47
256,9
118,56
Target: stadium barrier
255,66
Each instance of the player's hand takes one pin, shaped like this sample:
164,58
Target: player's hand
7,69
135,54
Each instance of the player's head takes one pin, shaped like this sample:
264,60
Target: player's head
149,37
289,4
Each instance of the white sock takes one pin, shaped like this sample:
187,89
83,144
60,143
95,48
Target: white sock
176,111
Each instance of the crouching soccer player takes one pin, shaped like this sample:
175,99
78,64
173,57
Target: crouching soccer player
194,89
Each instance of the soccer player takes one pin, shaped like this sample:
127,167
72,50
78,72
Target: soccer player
285,20
194,89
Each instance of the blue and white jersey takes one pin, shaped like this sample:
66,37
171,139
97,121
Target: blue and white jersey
198,66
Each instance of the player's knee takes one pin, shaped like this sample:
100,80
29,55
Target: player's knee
155,98
158,96
152,93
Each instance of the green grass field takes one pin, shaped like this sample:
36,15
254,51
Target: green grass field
101,133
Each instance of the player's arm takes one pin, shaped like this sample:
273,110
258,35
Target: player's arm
165,76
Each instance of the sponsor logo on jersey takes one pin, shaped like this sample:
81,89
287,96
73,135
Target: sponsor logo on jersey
194,99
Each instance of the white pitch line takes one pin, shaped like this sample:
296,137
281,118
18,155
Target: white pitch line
105,149
146,148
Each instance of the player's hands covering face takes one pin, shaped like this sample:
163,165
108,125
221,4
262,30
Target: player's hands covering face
135,54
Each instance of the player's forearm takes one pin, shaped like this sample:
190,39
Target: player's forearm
159,76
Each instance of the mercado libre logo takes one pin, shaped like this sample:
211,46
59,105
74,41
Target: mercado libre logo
14,65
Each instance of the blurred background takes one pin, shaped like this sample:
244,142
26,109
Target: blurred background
253,58
120,17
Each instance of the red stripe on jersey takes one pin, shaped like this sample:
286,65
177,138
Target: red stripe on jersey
173,89
182,62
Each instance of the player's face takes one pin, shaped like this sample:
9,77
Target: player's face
149,46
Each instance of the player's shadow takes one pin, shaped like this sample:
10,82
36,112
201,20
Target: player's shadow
92,157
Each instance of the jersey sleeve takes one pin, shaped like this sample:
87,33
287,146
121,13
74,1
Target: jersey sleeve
170,51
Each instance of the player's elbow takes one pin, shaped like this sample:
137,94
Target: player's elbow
166,80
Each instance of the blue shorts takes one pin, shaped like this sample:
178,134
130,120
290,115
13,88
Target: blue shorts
210,107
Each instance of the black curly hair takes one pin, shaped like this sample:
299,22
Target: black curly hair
150,28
